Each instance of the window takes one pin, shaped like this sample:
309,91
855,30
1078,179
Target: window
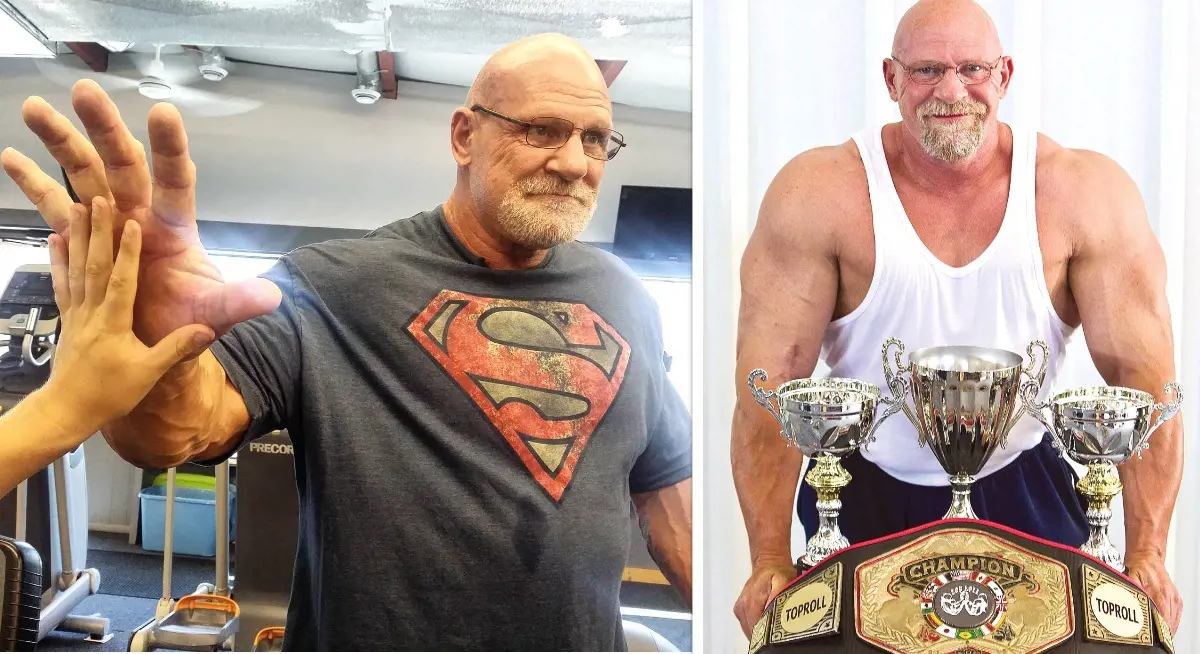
238,267
674,298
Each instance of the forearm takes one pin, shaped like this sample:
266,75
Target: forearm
189,415
765,473
1151,482
36,432
1143,359
1151,489
666,521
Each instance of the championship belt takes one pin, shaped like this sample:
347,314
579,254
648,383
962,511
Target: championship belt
961,586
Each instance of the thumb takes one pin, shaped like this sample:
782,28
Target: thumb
778,583
180,345
234,302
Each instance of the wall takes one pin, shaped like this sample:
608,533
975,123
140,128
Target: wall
310,156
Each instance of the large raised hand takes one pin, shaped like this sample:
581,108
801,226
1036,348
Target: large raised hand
178,284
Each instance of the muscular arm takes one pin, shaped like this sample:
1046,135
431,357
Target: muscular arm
666,519
789,282
1117,276
193,413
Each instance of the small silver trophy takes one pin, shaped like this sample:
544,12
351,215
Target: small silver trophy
966,403
826,419
1102,427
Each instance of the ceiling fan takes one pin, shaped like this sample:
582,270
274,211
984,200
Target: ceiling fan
160,77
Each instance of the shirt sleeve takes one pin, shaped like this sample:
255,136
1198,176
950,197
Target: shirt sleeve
261,357
667,459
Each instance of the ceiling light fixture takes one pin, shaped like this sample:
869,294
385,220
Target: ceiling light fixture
368,89
212,64
153,86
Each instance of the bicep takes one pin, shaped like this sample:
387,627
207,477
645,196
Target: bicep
1118,281
789,287
261,361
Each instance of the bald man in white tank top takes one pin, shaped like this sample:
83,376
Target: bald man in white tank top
950,228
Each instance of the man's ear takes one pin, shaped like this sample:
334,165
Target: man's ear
1006,73
461,130
889,79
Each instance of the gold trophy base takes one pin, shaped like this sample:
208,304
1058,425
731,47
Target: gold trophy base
827,478
1099,486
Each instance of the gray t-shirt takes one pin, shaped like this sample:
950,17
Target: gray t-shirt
466,439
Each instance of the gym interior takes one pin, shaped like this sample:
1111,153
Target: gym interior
295,142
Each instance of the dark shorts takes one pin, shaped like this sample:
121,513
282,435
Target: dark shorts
1034,494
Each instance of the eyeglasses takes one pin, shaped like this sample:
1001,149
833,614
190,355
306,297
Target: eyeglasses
553,133
931,74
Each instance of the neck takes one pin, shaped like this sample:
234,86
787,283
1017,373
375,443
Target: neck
496,251
930,172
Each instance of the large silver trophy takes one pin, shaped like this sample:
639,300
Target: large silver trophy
1102,427
966,403
826,419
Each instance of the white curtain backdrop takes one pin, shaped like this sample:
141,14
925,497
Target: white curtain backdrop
779,77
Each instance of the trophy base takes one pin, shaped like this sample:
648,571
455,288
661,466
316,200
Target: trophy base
1106,553
960,503
1099,486
821,547
827,478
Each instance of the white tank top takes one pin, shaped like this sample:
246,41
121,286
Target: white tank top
998,300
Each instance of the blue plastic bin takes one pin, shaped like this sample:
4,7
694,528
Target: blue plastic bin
195,519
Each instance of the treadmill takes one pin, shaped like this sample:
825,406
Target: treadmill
49,511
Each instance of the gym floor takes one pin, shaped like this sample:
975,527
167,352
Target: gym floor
131,583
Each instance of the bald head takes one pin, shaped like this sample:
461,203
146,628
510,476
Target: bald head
938,24
534,62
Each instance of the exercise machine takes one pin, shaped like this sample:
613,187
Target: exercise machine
206,620
268,511
49,511
20,596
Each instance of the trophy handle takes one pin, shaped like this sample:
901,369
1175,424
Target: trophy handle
1037,410
896,403
1165,413
763,397
1029,389
900,386
1041,373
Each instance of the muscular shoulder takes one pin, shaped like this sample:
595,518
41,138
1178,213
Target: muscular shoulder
409,241
816,197
1082,189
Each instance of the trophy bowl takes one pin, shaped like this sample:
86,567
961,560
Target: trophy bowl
829,415
1101,427
967,400
825,418
1102,423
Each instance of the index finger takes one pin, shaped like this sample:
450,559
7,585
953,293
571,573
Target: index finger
46,194
122,284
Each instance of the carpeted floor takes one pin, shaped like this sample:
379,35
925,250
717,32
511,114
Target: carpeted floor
124,614
131,574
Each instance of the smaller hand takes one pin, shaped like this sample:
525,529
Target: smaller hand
766,580
1150,572
101,370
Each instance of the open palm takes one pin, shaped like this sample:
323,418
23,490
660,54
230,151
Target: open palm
178,284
